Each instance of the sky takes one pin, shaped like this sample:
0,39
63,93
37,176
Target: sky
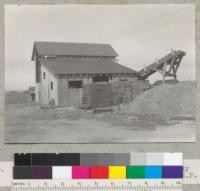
139,33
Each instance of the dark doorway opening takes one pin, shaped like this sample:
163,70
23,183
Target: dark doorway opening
32,97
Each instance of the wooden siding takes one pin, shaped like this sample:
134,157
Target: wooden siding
61,93
74,96
68,96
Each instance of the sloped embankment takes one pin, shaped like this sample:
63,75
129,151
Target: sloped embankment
166,100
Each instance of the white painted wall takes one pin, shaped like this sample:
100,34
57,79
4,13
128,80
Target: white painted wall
45,92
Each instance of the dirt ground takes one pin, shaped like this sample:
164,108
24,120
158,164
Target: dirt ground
28,123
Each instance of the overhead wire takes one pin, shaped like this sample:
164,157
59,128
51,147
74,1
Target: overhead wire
147,25
151,27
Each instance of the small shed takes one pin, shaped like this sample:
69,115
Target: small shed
31,94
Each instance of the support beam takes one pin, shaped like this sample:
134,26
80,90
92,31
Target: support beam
164,72
172,63
167,66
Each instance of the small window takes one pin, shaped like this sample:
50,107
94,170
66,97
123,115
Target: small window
51,85
102,78
44,75
123,79
75,84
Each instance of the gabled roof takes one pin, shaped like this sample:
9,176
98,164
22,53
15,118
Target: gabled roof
72,49
60,65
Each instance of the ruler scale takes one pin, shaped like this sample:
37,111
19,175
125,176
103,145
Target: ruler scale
96,185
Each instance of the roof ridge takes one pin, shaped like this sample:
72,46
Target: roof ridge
42,48
60,42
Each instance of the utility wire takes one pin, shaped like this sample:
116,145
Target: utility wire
160,23
148,28
140,25
179,15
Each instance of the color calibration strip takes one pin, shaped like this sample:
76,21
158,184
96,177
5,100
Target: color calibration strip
98,172
98,166
98,159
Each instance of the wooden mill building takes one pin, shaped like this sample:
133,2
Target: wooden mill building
62,69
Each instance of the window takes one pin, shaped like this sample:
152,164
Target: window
122,79
75,84
44,75
102,78
51,85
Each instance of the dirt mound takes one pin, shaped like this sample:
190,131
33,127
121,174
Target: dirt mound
165,99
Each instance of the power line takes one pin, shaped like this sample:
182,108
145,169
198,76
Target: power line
150,27
141,25
169,22
159,22
177,15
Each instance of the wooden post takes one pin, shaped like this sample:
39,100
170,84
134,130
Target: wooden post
164,72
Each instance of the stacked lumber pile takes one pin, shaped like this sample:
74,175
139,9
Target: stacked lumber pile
102,95
97,95
126,91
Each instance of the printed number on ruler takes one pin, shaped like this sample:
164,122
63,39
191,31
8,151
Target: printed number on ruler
95,185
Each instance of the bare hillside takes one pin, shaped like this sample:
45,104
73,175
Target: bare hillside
16,97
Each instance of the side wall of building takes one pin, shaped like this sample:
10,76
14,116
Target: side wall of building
68,96
46,88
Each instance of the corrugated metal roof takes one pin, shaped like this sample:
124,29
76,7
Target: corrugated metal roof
77,65
72,49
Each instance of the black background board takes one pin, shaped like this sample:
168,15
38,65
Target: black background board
52,159
22,159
